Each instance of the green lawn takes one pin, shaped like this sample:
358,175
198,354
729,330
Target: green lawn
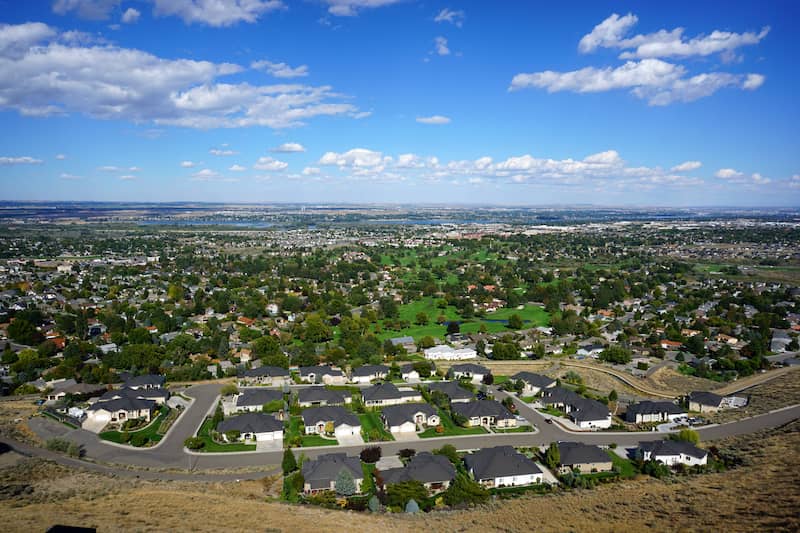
150,430
368,486
519,429
211,446
450,428
295,427
623,466
551,411
370,421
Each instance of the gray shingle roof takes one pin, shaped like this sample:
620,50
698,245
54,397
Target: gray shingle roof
673,447
250,397
535,380
451,389
396,415
266,371
384,391
320,472
500,461
320,394
251,423
480,408
126,392
472,368
705,398
337,415
424,467
576,453
369,370
648,407
588,410
123,404
146,380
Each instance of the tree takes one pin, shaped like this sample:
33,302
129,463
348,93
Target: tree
374,504
612,396
427,342
488,379
194,443
515,321
505,351
289,463
465,491
453,327
345,485
329,427
421,319
407,453
449,451
412,507
371,454
616,354
687,435
398,494
24,332
552,457
229,390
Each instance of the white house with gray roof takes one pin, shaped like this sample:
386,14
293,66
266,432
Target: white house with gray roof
502,466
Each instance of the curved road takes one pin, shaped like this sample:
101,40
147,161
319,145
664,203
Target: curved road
170,454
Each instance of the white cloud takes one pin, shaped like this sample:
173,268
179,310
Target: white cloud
221,153
434,119
237,168
131,16
453,16
728,173
61,157
218,13
734,176
611,33
753,81
205,174
109,168
87,9
134,169
311,171
289,148
609,157
440,46
280,70
687,166
187,164
67,176
794,181
350,8
24,160
268,163
127,177
42,77
357,157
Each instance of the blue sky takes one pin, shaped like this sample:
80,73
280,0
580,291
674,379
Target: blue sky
624,103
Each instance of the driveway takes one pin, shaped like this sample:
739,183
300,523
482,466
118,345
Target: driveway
350,440
95,426
269,446
405,436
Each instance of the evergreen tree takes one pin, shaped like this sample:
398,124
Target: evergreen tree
552,456
289,463
345,485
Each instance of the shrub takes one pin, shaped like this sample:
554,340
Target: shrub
398,494
407,453
57,444
464,490
688,435
345,484
449,451
371,454
139,440
74,450
229,390
412,507
194,443
374,504
125,436
289,463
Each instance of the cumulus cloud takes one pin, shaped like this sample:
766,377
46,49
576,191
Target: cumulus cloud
280,70
130,16
687,166
187,164
237,168
311,171
734,176
611,33
357,157
268,163
218,13
753,81
351,8
434,119
453,16
440,46
61,157
67,176
127,177
222,152
728,173
205,174
289,148
40,76
794,181
24,160
87,9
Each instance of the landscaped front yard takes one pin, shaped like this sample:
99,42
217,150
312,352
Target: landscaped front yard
212,446
151,433
451,429
372,428
294,429
518,429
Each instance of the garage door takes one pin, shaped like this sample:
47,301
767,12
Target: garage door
343,431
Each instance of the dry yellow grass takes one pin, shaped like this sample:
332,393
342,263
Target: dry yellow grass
13,420
782,391
669,379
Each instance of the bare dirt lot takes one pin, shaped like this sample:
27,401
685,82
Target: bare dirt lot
761,495
782,391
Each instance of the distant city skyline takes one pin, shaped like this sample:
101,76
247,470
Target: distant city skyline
400,101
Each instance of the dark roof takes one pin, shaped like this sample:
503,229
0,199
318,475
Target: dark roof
266,371
560,395
481,408
320,472
705,398
537,380
401,340
147,379
338,415
584,410
673,447
399,414
251,423
320,370
126,392
369,370
500,461
452,389
123,404
648,407
384,391
319,394
472,368
258,396
424,467
576,453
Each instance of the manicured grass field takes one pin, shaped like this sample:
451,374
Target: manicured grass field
211,446
450,428
150,430
623,466
519,429
370,421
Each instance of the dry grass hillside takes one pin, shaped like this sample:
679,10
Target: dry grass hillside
761,495
782,391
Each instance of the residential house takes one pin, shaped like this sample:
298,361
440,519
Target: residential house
406,342
266,375
454,392
119,410
487,413
672,452
382,394
409,373
590,414
257,427
148,381
533,384
369,373
323,374
591,350
253,400
471,371
320,396
345,423
583,457
160,396
60,391
435,472
502,466
705,402
670,345
320,474
648,412
408,417
560,398
448,353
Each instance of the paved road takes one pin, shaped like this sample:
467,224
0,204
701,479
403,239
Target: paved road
170,454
